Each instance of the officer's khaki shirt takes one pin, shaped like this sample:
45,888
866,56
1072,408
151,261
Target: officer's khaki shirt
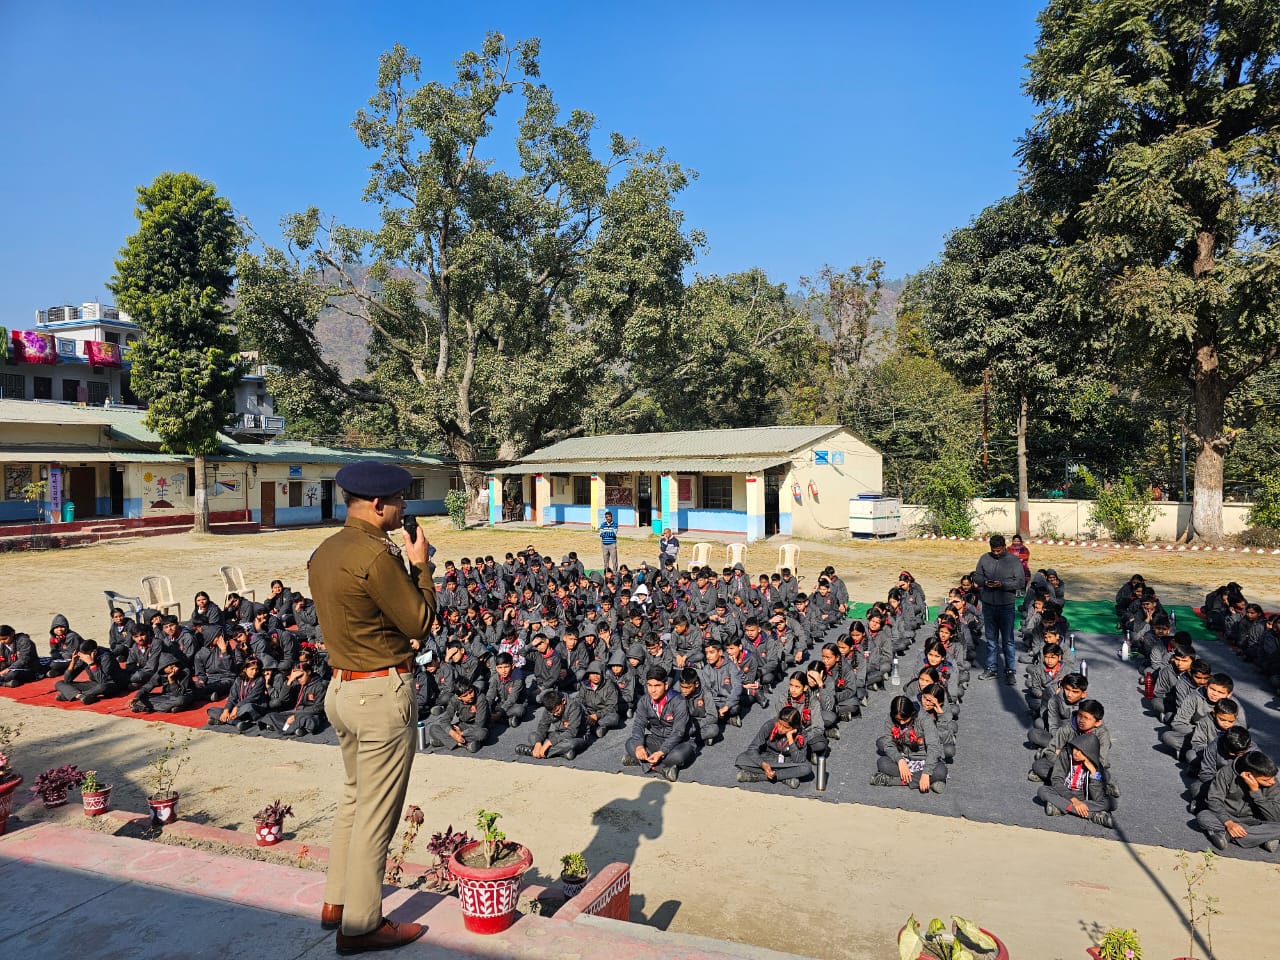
368,605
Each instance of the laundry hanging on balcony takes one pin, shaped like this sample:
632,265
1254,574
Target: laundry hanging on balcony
30,346
102,354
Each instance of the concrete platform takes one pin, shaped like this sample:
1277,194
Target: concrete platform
95,896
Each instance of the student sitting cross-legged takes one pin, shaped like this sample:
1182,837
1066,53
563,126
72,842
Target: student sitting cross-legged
660,731
100,671
561,731
246,700
911,753
175,690
1057,709
778,753
1077,783
19,662
1086,719
1242,804
465,721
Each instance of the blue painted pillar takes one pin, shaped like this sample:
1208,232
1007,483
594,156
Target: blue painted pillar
495,501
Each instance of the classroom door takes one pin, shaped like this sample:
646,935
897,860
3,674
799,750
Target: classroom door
326,499
83,491
644,500
268,512
117,491
772,483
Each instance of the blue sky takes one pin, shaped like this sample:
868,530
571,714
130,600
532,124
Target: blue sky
821,133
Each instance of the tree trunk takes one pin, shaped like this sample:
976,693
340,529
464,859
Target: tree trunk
1213,440
474,480
1024,498
202,497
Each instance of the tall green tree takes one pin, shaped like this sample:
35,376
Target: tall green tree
992,309
174,276
508,307
1157,146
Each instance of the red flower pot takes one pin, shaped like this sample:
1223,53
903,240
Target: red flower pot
97,802
6,801
489,894
266,834
56,799
163,811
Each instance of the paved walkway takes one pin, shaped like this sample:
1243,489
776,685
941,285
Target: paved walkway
76,893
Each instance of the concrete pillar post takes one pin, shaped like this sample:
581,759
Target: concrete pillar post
597,500
495,501
755,507
543,498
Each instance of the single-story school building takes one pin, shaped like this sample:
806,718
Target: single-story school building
105,462
752,483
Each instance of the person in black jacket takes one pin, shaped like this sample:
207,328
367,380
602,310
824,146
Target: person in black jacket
19,662
999,574
562,729
175,695
660,731
120,634
216,668
778,753
63,645
246,700
102,675
304,712
506,691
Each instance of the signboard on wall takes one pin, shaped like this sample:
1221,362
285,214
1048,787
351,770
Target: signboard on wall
55,489
822,458
618,497
295,472
685,489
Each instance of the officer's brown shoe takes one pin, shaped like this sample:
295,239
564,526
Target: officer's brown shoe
331,916
386,936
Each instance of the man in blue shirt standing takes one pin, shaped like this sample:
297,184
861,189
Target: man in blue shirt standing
609,541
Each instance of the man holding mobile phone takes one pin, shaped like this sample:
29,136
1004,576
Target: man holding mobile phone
369,608
1000,574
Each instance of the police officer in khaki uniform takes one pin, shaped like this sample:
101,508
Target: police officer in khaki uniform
369,608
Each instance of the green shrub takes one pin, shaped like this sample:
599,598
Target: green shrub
1266,505
1123,507
946,491
455,501
1268,537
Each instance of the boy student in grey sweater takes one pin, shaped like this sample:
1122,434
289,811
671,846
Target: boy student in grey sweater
1057,709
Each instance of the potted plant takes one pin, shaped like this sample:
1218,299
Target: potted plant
9,779
1117,944
52,785
965,941
95,796
268,822
439,876
488,872
164,769
574,874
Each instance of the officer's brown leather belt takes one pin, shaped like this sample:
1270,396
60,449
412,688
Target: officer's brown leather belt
345,675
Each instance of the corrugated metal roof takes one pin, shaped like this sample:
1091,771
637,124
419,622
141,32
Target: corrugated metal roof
743,442
687,465
301,453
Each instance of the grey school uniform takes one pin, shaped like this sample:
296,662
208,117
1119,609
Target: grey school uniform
916,743
1228,799
567,732
786,758
1054,713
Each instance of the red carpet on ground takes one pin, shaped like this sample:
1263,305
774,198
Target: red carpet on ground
39,693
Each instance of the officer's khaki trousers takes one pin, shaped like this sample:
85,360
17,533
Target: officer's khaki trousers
374,722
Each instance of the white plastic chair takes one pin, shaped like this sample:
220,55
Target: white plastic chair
233,580
157,592
132,606
789,556
701,555
737,553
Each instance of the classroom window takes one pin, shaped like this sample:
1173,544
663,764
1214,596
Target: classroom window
15,386
417,489
582,491
295,493
717,493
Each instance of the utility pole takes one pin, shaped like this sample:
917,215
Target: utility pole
986,394
1184,461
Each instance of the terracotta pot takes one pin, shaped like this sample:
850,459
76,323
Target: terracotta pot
489,894
267,834
97,802
163,811
572,886
1002,953
55,799
6,800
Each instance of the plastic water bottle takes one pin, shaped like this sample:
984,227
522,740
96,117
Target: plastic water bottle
1124,648
422,735
1084,668
1072,640
895,678
1173,619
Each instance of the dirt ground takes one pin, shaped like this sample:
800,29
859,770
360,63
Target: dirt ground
791,873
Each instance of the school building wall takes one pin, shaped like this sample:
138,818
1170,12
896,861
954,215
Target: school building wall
554,496
849,468
1069,519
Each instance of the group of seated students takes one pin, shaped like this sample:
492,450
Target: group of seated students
670,656
1250,632
1232,785
262,665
